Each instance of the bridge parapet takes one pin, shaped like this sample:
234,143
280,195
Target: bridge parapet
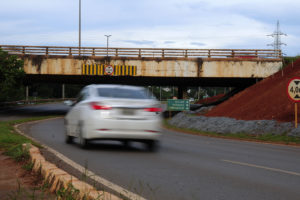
143,52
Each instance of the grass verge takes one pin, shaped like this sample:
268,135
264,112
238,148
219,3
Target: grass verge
267,138
11,142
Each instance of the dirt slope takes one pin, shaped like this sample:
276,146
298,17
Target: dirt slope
264,100
20,184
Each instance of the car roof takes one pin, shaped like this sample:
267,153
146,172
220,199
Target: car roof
116,86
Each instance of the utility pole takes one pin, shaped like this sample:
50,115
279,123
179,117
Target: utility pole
277,38
79,26
107,37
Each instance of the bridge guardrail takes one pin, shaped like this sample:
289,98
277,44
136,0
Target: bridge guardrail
143,52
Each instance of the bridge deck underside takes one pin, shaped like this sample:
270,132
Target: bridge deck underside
139,80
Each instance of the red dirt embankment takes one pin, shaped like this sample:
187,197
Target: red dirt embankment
265,100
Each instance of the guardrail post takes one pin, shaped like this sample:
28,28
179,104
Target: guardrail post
163,53
186,55
140,53
23,51
256,53
93,54
46,51
209,53
117,53
232,53
70,51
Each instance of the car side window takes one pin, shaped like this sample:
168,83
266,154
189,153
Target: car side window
82,95
79,97
85,93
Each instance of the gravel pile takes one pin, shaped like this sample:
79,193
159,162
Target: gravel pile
225,125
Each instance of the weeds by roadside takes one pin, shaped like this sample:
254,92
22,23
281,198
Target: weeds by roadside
11,143
36,193
9,139
69,193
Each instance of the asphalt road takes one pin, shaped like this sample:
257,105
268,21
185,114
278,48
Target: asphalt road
187,166
34,110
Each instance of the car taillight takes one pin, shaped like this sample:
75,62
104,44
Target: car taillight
97,106
152,131
153,109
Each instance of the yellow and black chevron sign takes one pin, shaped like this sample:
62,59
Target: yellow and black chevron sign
112,70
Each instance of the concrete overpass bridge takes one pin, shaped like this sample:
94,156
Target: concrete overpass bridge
147,66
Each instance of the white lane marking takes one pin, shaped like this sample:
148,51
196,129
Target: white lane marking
262,167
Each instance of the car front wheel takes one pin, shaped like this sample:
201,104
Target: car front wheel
82,141
68,139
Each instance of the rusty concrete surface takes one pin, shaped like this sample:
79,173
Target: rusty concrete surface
158,67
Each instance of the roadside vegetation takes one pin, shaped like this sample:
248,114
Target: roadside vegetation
11,144
288,60
11,77
268,138
10,140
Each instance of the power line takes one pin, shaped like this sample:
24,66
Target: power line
277,38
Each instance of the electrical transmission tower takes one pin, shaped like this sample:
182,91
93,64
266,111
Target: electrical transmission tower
277,38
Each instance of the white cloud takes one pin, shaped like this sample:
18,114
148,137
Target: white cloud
150,23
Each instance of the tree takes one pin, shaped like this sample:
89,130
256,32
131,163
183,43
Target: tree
11,77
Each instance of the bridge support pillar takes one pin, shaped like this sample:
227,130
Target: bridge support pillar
27,93
63,91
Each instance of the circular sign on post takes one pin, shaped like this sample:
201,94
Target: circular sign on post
293,89
109,70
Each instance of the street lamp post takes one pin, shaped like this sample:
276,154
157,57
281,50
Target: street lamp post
107,37
79,26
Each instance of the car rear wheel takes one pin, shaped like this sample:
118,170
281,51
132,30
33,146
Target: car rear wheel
152,145
126,143
82,141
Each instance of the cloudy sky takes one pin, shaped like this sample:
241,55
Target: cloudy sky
200,24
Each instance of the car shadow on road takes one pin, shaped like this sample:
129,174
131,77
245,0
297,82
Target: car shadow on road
115,146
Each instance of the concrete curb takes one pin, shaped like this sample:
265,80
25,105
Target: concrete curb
59,180
47,169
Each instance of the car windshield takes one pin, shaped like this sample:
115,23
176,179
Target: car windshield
124,93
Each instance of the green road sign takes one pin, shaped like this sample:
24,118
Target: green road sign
178,104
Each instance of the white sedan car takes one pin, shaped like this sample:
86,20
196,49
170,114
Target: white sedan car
114,112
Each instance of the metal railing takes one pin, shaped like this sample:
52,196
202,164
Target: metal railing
143,52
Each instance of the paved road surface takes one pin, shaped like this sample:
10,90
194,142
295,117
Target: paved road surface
187,166
21,112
